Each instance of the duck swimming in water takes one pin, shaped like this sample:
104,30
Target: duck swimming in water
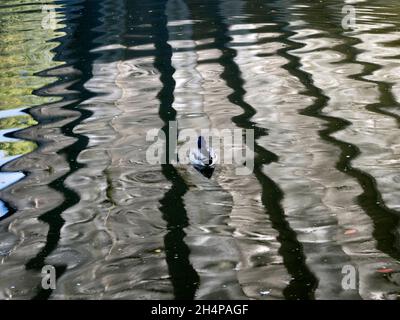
203,158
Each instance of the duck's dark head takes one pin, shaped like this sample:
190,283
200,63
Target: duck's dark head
201,142
206,170
202,146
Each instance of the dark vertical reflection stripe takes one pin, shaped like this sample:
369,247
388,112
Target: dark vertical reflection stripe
74,50
303,282
385,220
184,278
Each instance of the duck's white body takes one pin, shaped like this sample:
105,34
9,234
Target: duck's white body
203,157
201,160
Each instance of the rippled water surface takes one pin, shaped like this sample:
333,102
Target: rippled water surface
82,83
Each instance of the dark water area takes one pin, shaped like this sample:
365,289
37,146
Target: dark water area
83,82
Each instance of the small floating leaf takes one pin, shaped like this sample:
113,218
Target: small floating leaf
385,270
350,232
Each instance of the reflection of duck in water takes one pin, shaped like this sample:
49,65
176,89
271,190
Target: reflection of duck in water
203,159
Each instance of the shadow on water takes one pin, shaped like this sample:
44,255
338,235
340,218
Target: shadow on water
303,282
74,50
384,219
206,172
185,279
